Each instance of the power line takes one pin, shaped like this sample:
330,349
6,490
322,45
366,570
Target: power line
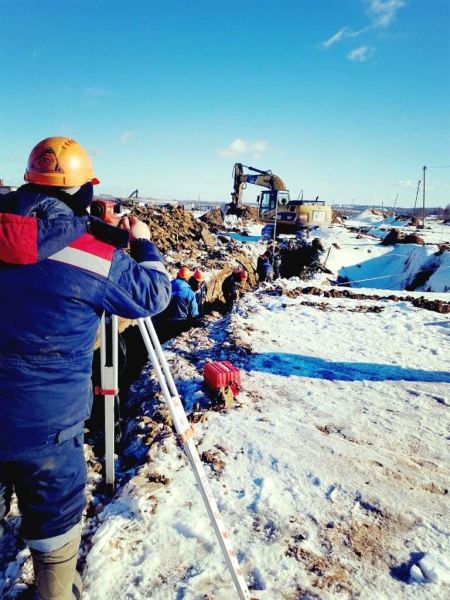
349,283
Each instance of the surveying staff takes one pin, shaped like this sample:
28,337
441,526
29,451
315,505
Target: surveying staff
198,286
276,261
57,279
183,308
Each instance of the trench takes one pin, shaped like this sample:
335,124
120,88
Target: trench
132,357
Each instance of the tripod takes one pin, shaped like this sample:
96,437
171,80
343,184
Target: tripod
109,389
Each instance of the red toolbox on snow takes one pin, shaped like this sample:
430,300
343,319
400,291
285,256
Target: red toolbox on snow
221,373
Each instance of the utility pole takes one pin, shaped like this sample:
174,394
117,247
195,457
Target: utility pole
423,208
274,239
396,198
417,193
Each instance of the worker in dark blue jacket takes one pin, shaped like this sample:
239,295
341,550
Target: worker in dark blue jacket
265,268
60,269
183,307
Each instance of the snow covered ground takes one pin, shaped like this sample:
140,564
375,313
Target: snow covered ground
331,469
390,267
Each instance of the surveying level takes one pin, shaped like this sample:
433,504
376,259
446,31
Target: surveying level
109,211
185,431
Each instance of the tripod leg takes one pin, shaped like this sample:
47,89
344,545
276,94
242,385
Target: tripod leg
185,432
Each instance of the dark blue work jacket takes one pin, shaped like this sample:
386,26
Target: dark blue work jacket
183,304
56,280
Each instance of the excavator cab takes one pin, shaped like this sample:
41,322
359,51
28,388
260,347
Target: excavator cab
271,200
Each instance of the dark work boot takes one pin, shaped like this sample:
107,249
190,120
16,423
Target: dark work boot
55,572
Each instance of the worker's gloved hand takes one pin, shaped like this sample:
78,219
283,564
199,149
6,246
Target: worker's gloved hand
137,228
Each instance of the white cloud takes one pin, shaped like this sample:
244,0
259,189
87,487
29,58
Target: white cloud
127,137
381,13
260,146
384,11
239,147
360,54
345,32
406,183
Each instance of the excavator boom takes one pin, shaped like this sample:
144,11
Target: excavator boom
263,178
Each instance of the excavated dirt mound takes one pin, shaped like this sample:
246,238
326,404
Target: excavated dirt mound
214,218
335,216
395,236
173,228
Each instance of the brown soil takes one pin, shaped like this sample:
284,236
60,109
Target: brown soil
174,228
214,219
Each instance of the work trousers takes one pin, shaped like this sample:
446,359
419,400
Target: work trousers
50,493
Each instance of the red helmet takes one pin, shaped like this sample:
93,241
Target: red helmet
198,275
244,275
184,273
59,161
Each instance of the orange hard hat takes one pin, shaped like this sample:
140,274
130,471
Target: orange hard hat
59,161
198,275
244,275
184,273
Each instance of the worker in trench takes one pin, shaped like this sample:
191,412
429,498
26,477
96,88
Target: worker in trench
276,263
182,312
264,267
232,287
60,269
198,286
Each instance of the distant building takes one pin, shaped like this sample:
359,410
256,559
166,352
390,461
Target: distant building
5,189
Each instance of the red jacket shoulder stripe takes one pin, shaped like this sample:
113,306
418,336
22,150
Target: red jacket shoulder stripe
87,253
88,243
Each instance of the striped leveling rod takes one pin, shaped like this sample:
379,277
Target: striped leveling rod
109,360
185,432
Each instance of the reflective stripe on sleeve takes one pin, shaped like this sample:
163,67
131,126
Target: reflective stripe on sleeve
83,260
153,264
88,253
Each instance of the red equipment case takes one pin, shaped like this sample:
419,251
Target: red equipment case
221,373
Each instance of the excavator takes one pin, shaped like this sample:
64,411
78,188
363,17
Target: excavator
275,206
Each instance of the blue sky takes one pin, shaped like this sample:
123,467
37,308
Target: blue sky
343,99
